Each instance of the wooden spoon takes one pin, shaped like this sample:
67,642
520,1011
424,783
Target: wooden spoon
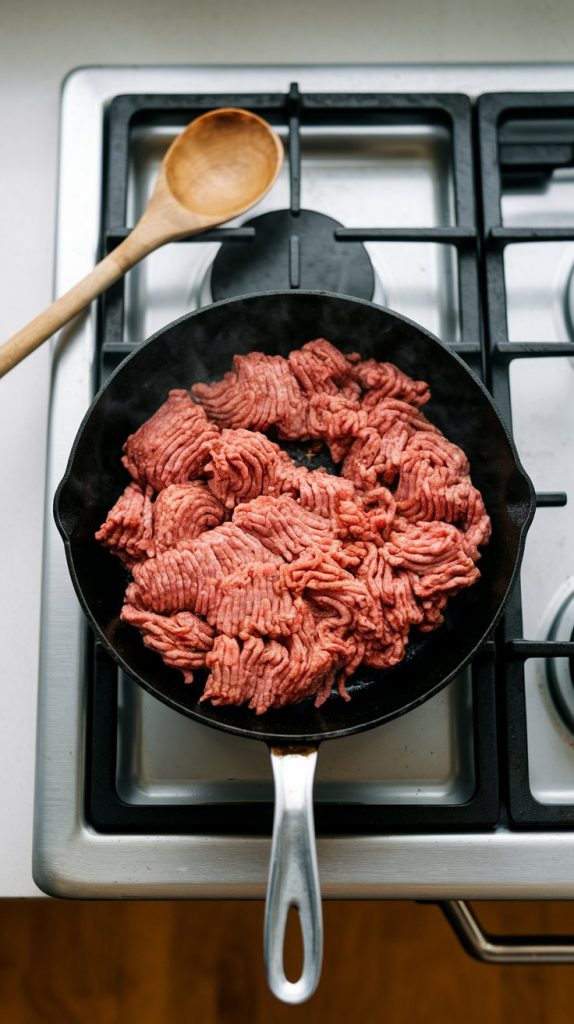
220,166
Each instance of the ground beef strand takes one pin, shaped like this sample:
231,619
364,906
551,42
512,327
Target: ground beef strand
182,640
172,446
260,392
128,529
182,512
244,464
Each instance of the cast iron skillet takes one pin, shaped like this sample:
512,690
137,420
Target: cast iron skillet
200,347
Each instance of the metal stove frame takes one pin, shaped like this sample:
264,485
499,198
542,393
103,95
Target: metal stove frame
71,858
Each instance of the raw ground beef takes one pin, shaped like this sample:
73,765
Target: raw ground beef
278,579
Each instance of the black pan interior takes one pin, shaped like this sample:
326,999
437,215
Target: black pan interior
200,347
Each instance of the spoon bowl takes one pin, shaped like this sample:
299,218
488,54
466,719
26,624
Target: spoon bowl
222,163
217,168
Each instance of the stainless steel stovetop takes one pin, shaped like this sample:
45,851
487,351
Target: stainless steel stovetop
426,757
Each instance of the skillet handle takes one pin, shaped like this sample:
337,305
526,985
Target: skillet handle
293,876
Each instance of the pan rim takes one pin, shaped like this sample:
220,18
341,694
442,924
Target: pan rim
275,736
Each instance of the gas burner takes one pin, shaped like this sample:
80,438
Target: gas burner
569,307
292,251
560,671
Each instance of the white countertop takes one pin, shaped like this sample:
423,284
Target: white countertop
39,44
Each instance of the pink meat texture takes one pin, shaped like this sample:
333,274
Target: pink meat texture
278,579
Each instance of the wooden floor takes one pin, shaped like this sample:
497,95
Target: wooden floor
106,963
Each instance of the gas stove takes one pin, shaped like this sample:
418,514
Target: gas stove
449,198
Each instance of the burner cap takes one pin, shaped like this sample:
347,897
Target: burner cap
292,251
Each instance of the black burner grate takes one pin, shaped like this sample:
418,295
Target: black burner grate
499,666
500,159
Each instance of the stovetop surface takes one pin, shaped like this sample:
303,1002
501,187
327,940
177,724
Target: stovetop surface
432,757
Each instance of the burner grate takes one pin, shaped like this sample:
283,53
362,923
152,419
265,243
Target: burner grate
108,812
498,667
497,160
294,110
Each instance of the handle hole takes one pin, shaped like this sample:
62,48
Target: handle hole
293,950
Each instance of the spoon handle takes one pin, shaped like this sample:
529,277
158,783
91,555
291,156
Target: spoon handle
138,244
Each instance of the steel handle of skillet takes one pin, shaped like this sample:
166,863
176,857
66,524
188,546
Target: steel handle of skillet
293,875
504,949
